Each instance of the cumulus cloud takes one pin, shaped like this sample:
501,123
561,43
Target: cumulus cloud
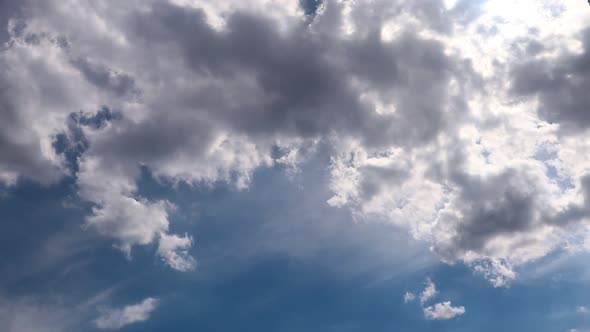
443,310
113,319
205,114
466,131
507,186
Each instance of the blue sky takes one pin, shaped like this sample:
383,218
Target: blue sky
294,165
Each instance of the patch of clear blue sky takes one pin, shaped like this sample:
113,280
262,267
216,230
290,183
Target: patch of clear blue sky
310,6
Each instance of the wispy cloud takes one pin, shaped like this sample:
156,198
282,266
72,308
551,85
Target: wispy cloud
113,319
409,297
429,291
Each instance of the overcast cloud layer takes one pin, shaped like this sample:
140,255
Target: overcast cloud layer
463,123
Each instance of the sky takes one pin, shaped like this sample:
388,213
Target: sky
294,165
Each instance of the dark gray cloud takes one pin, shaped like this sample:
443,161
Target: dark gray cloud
255,79
504,205
434,14
576,212
105,78
153,140
504,214
299,82
561,84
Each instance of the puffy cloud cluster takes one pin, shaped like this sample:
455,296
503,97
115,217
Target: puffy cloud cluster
438,311
507,184
466,131
443,310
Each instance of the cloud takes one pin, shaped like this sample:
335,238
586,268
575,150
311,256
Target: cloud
560,86
498,272
173,250
117,213
438,311
503,189
443,310
9,10
409,297
204,115
30,314
50,312
117,318
429,291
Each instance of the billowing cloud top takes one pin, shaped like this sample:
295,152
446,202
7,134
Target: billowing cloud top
464,122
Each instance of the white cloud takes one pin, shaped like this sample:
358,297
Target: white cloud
113,319
173,250
409,297
443,310
118,214
429,291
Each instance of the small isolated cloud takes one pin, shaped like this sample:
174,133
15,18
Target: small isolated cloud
429,291
117,318
443,310
582,310
409,297
173,250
